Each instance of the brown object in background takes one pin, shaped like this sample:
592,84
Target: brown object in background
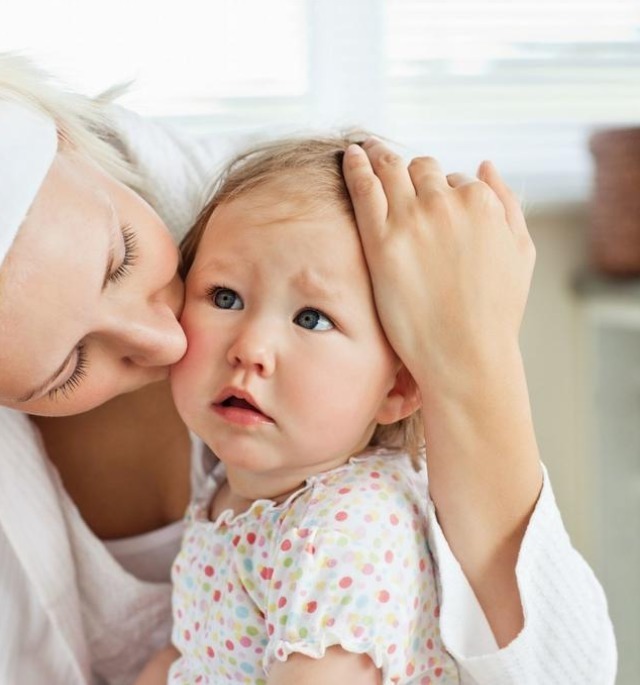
614,240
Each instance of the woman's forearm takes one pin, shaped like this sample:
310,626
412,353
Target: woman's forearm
451,261
484,476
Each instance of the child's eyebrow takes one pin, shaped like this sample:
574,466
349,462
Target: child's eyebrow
309,281
215,263
316,284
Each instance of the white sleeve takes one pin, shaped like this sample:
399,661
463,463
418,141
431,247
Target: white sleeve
567,637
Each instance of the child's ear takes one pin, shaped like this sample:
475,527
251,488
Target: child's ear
401,401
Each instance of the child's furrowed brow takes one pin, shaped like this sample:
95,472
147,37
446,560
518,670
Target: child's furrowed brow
316,286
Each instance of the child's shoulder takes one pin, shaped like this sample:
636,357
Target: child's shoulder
376,490
377,473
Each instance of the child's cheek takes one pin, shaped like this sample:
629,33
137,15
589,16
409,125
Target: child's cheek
188,373
179,378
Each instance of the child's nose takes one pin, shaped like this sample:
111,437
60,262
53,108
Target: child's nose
252,351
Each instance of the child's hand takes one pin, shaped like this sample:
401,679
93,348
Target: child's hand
156,672
450,259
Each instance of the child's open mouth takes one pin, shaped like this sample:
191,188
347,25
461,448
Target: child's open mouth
237,402
240,408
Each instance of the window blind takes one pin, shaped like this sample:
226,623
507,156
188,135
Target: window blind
522,61
520,81
523,82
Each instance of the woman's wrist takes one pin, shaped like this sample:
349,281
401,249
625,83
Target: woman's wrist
482,455
479,414
467,378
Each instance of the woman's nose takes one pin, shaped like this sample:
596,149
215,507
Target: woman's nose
159,339
154,338
252,350
158,345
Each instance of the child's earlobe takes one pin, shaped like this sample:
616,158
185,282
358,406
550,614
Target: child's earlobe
401,401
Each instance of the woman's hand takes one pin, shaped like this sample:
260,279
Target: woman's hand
450,257
451,261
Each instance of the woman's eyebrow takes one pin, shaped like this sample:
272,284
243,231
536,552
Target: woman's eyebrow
49,381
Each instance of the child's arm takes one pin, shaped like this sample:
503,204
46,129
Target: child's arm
451,262
156,672
336,666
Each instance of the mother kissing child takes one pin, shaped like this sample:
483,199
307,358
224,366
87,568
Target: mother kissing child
95,463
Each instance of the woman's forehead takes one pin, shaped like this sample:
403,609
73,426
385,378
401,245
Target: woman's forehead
51,279
67,231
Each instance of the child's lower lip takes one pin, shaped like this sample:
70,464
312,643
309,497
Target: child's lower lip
241,416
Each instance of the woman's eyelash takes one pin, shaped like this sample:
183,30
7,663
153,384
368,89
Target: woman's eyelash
80,371
75,378
130,254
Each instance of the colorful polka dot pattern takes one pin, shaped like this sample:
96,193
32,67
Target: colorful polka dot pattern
343,562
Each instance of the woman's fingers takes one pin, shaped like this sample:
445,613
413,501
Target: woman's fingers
456,180
440,245
392,171
513,211
367,194
426,175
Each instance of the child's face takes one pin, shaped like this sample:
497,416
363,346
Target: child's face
287,365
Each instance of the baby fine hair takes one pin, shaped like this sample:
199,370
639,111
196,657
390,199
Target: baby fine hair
312,166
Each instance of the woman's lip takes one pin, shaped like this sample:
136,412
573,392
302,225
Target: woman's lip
241,416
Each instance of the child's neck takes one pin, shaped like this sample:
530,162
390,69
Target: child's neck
243,487
226,498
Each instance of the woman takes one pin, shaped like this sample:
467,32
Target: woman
88,307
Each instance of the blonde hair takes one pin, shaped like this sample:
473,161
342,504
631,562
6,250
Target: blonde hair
313,166
81,122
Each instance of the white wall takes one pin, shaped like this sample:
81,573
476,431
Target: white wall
551,347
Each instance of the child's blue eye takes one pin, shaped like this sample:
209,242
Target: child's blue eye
313,320
225,298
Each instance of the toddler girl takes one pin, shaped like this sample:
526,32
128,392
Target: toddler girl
312,540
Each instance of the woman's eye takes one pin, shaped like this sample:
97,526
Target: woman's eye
75,378
130,254
313,320
225,298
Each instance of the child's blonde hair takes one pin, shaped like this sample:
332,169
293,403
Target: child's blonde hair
82,123
313,165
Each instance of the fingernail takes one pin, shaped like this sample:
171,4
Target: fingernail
371,140
353,149
485,167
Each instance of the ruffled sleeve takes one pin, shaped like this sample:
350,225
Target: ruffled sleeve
362,579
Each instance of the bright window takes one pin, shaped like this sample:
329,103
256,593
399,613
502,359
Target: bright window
521,81
185,58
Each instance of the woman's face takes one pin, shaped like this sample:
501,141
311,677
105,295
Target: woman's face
89,295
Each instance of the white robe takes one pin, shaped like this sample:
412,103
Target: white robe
70,615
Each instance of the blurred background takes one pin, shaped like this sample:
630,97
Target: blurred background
523,82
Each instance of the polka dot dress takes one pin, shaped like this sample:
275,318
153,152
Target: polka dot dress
344,561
